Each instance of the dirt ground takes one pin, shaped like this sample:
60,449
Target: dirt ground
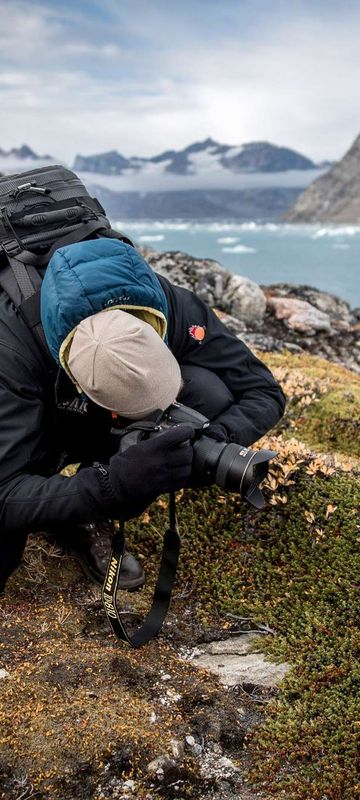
81,713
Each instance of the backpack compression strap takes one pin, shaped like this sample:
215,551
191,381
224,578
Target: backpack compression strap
162,594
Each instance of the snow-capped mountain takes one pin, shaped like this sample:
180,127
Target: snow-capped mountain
207,156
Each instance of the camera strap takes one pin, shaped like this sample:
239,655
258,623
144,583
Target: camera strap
162,594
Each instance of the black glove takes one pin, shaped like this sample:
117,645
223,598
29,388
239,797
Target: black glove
216,431
150,468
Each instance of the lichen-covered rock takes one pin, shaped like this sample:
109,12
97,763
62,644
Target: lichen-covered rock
238,296
336,308
299,314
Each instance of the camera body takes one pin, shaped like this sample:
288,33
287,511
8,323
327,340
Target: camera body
232,466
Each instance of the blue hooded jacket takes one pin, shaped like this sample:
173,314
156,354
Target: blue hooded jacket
85,278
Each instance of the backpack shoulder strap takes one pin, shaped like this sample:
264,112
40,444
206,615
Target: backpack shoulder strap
109,233
30,311
23,288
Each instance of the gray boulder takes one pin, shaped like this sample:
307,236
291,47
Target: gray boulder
337,308
299,315
245,300
235,295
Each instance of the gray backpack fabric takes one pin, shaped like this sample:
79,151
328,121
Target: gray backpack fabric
40,211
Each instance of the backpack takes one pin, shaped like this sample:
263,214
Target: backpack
40,211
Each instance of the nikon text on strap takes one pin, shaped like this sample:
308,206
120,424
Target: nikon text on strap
162,594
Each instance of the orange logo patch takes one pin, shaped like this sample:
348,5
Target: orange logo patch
198,332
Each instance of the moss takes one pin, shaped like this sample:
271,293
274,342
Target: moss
323,405
333,423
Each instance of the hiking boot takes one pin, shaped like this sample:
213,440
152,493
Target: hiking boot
91,546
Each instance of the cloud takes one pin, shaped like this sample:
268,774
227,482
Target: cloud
140,78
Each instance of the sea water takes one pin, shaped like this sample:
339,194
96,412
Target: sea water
325,257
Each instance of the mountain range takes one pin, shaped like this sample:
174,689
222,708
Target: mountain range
207,155
23,152
205,181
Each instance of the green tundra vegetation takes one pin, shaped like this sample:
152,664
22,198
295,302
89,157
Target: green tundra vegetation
80,713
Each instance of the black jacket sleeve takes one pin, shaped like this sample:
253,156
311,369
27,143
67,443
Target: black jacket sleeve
29,500
259,400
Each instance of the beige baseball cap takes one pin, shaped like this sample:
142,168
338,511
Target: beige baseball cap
122,364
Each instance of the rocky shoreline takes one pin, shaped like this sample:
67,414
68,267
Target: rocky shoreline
271,318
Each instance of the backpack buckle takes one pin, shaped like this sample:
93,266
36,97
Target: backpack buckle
11,247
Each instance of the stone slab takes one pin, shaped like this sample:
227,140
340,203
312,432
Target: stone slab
231,660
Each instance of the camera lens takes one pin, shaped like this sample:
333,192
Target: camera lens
207,452
221,462
233,467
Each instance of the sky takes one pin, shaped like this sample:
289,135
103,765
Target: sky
144,76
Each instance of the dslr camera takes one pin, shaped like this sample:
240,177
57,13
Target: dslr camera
232,466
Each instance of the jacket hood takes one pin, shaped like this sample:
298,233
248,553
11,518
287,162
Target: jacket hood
87,277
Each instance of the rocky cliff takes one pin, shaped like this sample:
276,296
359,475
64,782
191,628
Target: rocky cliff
335,196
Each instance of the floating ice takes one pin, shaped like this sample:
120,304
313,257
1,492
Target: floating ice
146,237
344,230
238,248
